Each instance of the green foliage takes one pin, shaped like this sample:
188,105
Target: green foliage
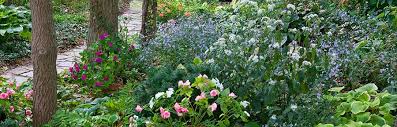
16,102
363,106
105,64
203,103
69,34
174,9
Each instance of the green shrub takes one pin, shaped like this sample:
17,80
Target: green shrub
363,106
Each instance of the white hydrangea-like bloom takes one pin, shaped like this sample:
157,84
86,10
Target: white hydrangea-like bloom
244,103
295,56
291,6
151,103
158,95
273,117
228,52
218,83
306,63
270,7
294,107
169,92
210,61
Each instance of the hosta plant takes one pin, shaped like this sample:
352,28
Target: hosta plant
16,102
202,103
363,106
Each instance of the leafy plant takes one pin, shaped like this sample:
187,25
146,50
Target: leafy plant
363,106
204,102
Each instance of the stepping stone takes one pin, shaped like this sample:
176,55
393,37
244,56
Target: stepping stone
19,70
28,74
65,64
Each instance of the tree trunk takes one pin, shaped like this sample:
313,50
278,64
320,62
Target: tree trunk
44,55
103,19
124,5
149,14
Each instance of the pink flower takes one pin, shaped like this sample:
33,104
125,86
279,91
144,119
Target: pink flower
98,84
179,109
12,109
85,67
84,77
106,78
28,112
214,93
10,91
110,44
213,107
3,96
98,53
28,95
10,84
71,69
184,84
103,36
74,77
17,86
98,60
138,108
232,95
164,114
201,96
77,67
115,58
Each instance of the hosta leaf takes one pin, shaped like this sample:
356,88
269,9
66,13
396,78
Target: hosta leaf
369,88
325,125
363,117
363,97
358,106
375,103
377,120
336,89
342,108
386,108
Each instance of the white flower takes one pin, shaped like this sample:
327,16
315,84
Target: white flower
158,95
228,52
306,63
210,61
273,117
272,82
254,58
217,84
306,29
295,56
169,92
270,7
260,11
294,107
294,30
275,45
291,6
313,45
203,76
151,103
247,113
329,33
244,103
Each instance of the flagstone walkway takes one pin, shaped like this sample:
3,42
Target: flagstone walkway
131,19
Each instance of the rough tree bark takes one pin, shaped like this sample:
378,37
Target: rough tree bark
149,14
44,55
103,19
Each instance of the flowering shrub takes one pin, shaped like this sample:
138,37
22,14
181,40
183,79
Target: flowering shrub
174,9
16,102
202,103
104,64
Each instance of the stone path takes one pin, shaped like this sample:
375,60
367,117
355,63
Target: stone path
130,20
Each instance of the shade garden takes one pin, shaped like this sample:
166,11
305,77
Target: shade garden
248,63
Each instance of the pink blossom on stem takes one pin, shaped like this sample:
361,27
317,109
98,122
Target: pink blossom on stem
84,77
232,95
164,114
213,107
12,109
85,67
10,91
110,44
4,96
28,112
138,108
201,96
103,36
214,93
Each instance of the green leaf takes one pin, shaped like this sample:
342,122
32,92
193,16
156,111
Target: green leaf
358,106
364,97
361,44
377,120
363,117
386,108
197,61
336,89
325,125
342,108
375,103
3,32
369,88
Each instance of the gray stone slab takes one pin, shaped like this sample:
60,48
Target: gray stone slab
19,70
65,64
28,74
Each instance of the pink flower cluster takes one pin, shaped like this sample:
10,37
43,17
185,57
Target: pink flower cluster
138,108
28,95
180,110
200,97
164,113
185,84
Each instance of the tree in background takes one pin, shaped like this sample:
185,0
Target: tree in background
44,55
148,29
103,19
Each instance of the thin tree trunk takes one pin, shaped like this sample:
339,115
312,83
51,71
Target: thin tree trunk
103,19
44,55
149,14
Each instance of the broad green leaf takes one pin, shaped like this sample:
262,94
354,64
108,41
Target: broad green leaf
375,103
3,32
358,106
197,61
361,44
336,89
386,108
389,119
364,96
325,125
342,108
363,117
369,88
377,120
